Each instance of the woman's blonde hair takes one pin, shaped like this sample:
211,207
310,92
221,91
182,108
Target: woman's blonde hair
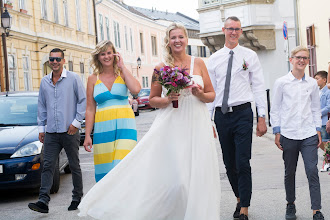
102,47
169,59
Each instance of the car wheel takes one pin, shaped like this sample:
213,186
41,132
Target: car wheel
56,179
137,113
67,169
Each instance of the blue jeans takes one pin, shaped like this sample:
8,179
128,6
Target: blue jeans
235,135
53,144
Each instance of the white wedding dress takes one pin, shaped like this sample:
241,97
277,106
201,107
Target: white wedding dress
171,174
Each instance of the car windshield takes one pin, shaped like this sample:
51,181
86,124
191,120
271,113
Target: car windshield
21,111
144,92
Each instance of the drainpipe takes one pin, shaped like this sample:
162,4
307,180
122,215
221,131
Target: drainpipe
296,22
95,21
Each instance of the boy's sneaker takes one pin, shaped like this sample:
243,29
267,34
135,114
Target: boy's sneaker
39,207
237,211
290,211
318,216
325,168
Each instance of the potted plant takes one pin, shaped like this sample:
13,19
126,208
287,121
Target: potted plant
8,4
23,11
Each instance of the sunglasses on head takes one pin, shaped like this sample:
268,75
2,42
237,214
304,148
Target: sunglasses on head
58,59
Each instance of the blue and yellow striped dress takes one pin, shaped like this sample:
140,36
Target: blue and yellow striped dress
114,129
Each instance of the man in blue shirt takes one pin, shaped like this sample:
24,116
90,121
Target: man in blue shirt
61,109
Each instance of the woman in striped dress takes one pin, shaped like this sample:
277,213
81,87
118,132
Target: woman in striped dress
108,109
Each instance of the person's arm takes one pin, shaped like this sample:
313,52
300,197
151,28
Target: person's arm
207,93
259,93
315,107
275,117
132,84
155,98
81,102
90,112
211,73
42,113
326,109
258,85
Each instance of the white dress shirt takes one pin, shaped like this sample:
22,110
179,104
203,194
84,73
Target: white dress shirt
245,85
295,111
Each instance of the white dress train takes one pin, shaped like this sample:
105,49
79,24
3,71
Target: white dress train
171,174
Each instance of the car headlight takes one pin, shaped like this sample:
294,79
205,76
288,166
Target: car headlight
30,149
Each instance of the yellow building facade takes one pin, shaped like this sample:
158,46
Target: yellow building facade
38,26
314,32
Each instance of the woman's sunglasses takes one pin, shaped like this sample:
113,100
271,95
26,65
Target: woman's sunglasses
58,59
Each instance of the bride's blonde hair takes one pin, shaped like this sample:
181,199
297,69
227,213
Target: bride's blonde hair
169,59
102,47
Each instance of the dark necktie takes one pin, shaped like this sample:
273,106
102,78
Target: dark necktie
224,107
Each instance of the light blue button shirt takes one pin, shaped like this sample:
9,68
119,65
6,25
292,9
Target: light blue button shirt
62,104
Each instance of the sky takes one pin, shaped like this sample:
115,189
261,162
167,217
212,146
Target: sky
186,7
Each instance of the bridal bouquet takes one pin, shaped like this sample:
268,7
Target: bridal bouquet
173,79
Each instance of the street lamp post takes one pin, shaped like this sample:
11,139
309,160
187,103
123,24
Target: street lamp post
138,61
6,24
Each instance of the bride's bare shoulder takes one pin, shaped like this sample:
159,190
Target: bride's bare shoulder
159,65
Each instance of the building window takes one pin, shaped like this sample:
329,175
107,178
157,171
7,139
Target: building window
141,43
26,71
82,71
126,38
65,13
188,49
117,33
101,27
143,82
70,63
107,24
147,82
312,50
154,45
131,36
89,16
22,4
44,9
12,72
201,51
78,17
55,8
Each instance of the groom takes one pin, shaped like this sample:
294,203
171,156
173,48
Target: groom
238,80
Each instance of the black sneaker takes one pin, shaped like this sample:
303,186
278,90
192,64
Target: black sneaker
243,217
318,216
237,211
73,205
39,207
290,211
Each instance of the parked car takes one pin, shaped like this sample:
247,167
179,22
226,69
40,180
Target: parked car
21,152
143,99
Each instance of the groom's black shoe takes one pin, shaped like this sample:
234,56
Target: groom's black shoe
73,205
243,217
39,207
237,211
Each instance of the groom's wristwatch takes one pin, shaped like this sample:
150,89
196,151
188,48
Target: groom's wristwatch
262,116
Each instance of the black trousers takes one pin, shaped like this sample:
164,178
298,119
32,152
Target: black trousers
235,135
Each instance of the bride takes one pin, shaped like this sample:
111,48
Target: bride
172,173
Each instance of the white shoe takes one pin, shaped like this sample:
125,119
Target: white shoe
325,168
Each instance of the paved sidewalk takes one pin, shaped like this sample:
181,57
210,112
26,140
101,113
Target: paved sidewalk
268,197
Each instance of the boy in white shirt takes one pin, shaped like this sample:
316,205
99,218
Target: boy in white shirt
296,120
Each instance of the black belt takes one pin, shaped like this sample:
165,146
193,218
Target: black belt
237,107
